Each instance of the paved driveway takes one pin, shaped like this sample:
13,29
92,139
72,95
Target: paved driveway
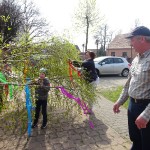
104,107
111,81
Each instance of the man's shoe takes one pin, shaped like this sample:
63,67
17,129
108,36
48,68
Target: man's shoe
34,126
43,126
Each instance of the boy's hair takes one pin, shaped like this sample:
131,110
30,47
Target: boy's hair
43,70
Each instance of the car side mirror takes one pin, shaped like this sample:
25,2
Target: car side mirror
103,63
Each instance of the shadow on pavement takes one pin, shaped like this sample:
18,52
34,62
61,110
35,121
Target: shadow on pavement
68,135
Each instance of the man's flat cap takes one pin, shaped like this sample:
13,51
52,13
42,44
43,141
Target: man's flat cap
139,31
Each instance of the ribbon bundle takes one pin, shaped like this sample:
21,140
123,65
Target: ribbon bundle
82,104
7,88
72,68
25,70
29,108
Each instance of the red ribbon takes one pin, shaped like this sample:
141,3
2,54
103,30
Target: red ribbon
6,89
71,69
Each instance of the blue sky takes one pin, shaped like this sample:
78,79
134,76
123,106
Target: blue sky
120,15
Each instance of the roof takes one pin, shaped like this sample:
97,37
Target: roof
120,42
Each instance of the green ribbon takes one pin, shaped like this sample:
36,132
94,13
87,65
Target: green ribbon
3,80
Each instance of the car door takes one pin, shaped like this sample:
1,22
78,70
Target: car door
118,65
106,66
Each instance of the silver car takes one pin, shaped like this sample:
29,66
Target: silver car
112,65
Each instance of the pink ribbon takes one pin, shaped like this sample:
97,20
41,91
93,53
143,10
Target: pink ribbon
82,104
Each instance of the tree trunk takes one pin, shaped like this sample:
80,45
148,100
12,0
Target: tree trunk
87,30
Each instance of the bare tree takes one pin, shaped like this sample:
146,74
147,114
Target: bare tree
103,37
87,16
33,24
19,17
137,22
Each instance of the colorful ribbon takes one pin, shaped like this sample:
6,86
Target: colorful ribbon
72,68
6,87
82,104
25,70
28,107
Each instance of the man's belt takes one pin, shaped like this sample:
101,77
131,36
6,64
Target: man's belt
140,100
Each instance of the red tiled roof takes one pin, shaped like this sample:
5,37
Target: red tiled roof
119,42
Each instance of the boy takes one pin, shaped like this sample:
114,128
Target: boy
41,95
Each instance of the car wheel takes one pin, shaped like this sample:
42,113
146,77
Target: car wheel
98,73
125,73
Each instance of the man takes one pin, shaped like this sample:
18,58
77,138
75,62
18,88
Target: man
137,88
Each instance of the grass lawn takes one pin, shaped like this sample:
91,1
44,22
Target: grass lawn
113,94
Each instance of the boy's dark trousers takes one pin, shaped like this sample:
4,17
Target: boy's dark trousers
39,104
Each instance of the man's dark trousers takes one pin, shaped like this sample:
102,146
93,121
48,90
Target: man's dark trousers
139,137
39,104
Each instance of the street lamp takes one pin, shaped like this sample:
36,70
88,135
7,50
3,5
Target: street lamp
83,47
97,42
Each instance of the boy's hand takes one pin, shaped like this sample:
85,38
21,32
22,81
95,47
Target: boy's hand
41,85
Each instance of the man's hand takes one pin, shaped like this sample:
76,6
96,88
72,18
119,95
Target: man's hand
141,122
116,107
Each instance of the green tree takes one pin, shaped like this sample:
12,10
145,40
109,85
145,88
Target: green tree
87,17
103,37
101,51
10,20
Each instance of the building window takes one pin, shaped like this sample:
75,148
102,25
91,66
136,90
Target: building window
112,53
124,54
